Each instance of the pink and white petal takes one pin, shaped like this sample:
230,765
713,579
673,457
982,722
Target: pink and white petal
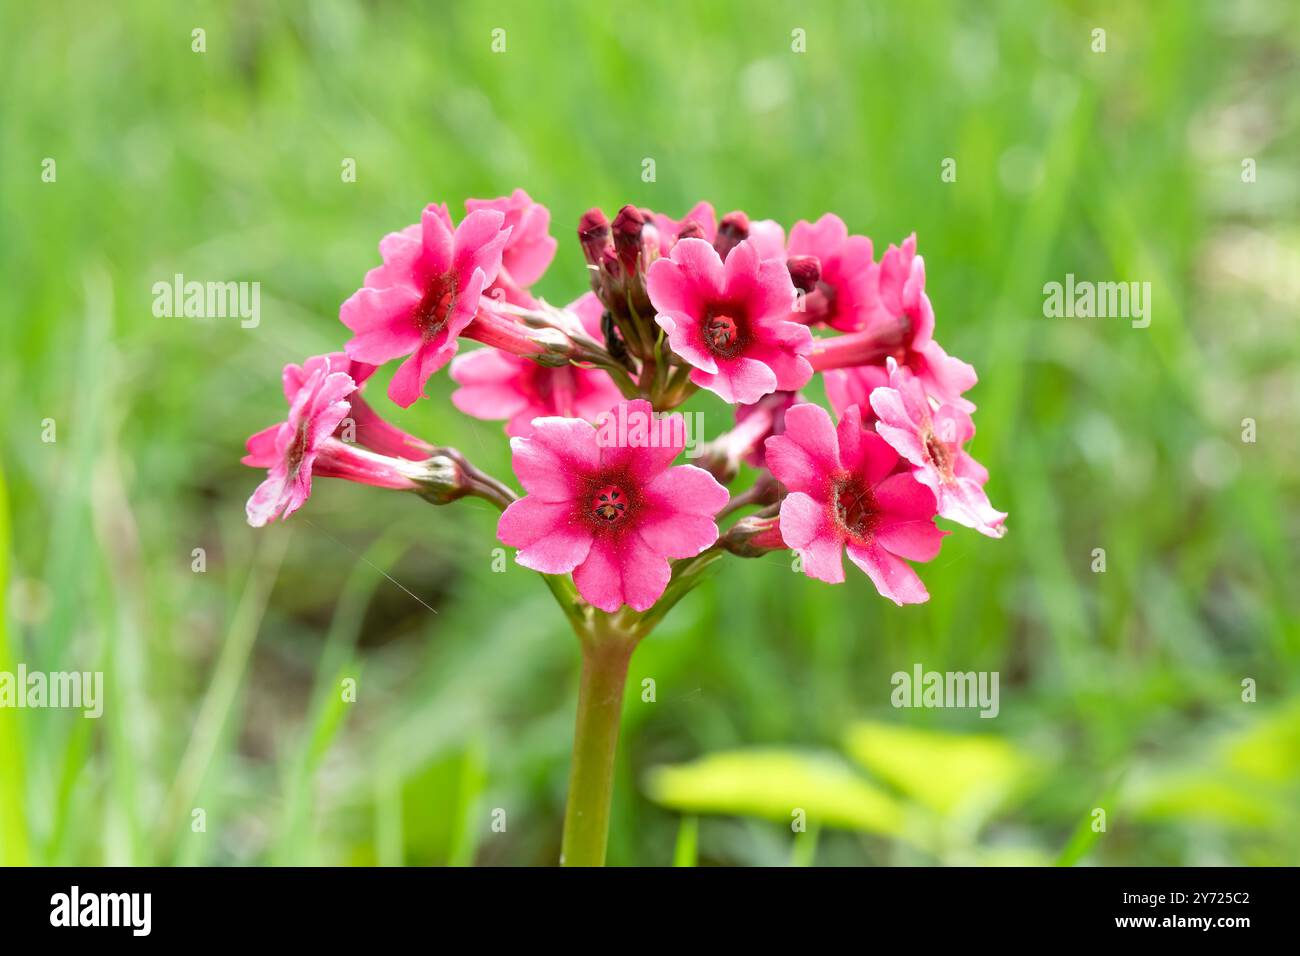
265,502
892,576
906,441
807,529
964,466
965,502
946,378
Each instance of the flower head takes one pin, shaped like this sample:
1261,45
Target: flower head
424,295
844,294
317,404
931,441
731,321
845,496
496,385
613,513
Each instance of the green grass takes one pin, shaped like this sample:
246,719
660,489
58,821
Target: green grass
223,686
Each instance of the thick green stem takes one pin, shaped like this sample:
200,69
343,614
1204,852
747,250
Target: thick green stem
606,652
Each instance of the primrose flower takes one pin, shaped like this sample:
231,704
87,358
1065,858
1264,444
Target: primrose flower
901,326
731,321
496,385
529,250
362,424
844,294
612,512
304,444
844,496
932,443
424,295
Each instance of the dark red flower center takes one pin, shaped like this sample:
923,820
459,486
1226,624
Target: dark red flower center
609,504
724,330
856,510
436,304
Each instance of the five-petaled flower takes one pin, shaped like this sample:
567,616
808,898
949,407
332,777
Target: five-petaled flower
931,441
612,514
844,495
731,321
424,295
305,444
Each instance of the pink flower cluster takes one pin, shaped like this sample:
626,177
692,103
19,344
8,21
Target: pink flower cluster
729,305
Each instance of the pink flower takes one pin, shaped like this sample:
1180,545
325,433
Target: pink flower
663,230
932,443
362,425
530,249
497,385
903,324
844,497
424,295
612,513
304,444
731,322
844,296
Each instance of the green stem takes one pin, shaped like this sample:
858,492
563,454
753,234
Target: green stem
606,651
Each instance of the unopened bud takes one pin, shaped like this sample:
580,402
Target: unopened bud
627,228
594,234
754,536
805,272
691,230
733,230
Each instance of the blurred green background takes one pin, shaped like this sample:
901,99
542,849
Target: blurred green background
1120,691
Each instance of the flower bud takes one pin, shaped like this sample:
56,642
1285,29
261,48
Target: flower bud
627,228
805,272
754,536
594,234
733,230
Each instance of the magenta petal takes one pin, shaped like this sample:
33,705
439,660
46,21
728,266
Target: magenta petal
806,528
685,340
901,497
261,447
915,539
551,463
549,539
805,456
892,576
